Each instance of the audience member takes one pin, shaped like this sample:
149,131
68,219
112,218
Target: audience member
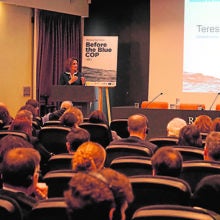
51,116
174,126
203,123
215,124
75,110
26,114
36,106
75,138
9,142
190,136
122,191
89,156
137,128
167,161
20,171
5,115
98,116
69,119
72,76
89,196
207,193
212,146
24,125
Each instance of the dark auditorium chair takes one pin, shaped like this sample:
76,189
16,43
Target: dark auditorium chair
49,209
120,126
164,141
132,165
9,209
155,190
190,152
99,132
194,171
15,133
115,151
60,162
52,122
57,181
53,138
173,212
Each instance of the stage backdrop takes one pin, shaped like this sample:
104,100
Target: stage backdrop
99,60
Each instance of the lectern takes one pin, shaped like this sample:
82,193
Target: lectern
80,95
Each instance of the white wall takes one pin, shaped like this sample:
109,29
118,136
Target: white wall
166,54
16,54
74,7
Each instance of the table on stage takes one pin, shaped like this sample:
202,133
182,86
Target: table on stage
158,118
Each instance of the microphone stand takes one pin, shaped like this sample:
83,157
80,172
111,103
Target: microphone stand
214,100
153,99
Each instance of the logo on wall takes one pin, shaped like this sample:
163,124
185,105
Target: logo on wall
99,60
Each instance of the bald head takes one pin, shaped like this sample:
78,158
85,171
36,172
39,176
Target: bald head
137,125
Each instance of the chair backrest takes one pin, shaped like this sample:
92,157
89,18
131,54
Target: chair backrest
10,209
194,171
120,126
49,209
115,151
15,133
191,106
99,133
57,181
157,105
60,162
132,165
217,107
53,138
190,152
154,190
174,212
52,122
164,141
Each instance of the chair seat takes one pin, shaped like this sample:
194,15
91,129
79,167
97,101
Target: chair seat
115,151
155,190
156,105
173,212
53,138
188,106
49,209
99,132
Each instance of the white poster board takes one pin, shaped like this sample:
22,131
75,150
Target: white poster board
99,60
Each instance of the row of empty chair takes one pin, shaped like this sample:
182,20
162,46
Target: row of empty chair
183,106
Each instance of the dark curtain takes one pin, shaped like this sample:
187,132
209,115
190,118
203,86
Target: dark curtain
59,38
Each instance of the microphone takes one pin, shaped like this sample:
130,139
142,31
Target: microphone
214,100
153,99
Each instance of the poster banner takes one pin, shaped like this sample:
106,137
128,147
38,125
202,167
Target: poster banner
99,60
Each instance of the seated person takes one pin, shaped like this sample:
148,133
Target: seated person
98,116
53,116
89,196
207,192
212,146
20,172
204,124
190,136
89,156
75,138
215,124
137,128
122,191
174,126
5,116
167,161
